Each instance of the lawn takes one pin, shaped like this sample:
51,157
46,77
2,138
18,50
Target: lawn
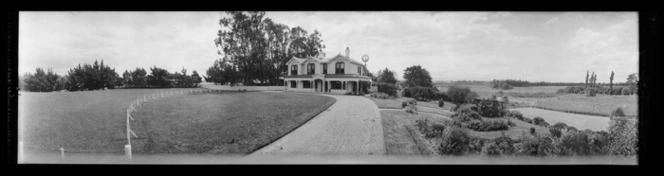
81,122
399,139
581,122
598,105
94,121
222,123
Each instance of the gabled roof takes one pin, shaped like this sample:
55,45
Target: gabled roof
326,60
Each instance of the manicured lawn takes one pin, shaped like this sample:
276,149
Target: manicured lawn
581,122
399,140
94,121
79,122
598,105
222,123
386,103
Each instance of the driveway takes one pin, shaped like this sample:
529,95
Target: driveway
351,127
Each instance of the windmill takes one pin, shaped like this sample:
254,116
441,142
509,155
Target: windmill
365,58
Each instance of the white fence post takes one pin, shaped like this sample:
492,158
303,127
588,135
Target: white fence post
20,152
128,151
62,153
129,115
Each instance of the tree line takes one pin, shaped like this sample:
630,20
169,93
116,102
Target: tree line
99,76
254,49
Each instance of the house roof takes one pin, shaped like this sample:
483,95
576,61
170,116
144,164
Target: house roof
327,60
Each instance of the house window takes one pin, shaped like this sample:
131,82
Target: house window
294,70
293,84
306,84
335,84
324,68
339,68
359,70
311,69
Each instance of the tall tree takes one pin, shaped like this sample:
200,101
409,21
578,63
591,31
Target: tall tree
587,75
43,81
417,76
611,82
633,79
386,76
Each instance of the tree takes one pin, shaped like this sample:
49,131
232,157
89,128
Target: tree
257,48
611,82
633,79
587,74
460,95
43,81
158,77
195,78
417,76
92,77
386,76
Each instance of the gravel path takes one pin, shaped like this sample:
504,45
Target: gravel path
350,127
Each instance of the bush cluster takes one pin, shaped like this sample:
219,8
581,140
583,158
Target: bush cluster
540,121
381,95
424,93
389,89
488,125
517,115
43,81
455,141
491,108
617,90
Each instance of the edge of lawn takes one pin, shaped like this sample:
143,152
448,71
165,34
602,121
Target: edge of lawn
314,113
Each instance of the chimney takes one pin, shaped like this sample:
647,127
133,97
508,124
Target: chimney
347,52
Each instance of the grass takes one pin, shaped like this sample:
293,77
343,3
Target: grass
386,103
598,105
81,122
580,122
399,139
94,121
226,123
514,131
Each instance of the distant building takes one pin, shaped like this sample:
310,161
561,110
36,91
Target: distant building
338,74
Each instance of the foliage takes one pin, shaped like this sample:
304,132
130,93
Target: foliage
92,77
221,72
411,109
502,84
591,92
44,81
535,146
532,131
460,95
555,132
386,76
559,125
607,90
441,103
381,95
619,112
389,89
623,136
258,48
417,76
421,93
454,141
491,108
466,113
540,121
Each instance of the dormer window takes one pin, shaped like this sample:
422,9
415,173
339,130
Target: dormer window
311,69
339,68
293,69
324,68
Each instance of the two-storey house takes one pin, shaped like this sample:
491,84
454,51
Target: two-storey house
338,74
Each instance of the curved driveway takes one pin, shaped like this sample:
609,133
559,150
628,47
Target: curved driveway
350,127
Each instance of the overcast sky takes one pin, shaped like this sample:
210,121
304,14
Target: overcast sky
534,46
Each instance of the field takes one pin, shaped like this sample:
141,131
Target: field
227,123
595,123
545,97
94,121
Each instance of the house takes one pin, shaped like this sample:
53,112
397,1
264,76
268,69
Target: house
338,75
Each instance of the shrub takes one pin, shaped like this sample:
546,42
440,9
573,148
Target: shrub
560,126
623,136
555,132
43,81
513,113
466,112
442,96
540,121
535,146
454,142
491,108
441,103
510,123
436,130
491,149
411,109
494,125
533,131
575,143
460,95
618,112
389,89
421,93
571,128
591,92
381,95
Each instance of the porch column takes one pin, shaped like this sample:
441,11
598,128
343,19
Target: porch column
313,85
357,87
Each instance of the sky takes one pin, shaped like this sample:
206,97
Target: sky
533,46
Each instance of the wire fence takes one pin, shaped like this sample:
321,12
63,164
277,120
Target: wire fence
133,106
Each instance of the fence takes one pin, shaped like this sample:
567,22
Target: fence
133,105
